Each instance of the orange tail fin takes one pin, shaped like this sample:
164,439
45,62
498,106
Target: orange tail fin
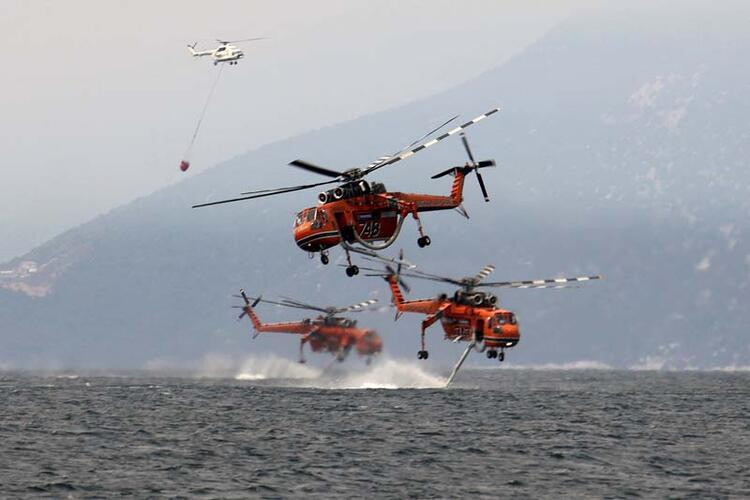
254,318
248,309
398,297
457,189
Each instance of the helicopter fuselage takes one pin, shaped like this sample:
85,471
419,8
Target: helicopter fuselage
332,334
467,316
227,53
363,211
495,328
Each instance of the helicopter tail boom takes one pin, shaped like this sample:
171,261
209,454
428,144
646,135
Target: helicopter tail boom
423,306
198,53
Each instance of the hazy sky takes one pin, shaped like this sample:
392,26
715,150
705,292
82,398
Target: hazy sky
99,98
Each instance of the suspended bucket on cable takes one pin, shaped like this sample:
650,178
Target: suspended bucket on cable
185,164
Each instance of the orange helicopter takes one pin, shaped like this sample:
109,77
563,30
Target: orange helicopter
469,315
326,333
364,212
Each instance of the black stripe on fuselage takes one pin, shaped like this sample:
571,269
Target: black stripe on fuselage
314,237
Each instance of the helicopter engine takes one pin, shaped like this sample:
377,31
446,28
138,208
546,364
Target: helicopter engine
475,299
350,190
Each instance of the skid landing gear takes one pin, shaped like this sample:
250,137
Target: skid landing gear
423,354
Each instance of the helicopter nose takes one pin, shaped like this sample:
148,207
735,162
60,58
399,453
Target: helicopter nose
512,334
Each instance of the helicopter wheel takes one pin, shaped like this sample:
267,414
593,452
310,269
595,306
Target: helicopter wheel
423,241
491,354
352,271
324,259
501,356
423,354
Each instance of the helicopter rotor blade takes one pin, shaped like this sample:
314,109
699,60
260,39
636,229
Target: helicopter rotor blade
257,300
429,133
486,271
376,257
305,165
361,306
290,302
388,157
475,166
545,283
225,42
481,184
444,173
481,164
467,148
264,193
432,142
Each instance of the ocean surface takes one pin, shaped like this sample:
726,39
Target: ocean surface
392,430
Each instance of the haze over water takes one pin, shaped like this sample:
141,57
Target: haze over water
520,433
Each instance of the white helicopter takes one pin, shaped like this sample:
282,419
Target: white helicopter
225,52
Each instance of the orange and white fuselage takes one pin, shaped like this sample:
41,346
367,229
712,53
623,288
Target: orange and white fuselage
375,217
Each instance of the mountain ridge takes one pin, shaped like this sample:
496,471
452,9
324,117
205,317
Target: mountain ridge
617,154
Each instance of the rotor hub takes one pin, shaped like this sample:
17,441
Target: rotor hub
352,174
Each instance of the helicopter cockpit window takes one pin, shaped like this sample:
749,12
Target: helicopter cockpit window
310,215
500,318
320,218
298,219
505,318
220,49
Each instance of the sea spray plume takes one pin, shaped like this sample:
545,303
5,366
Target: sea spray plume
389,374
268,368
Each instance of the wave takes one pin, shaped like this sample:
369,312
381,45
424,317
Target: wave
571,365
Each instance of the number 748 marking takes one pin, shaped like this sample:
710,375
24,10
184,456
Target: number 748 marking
370,229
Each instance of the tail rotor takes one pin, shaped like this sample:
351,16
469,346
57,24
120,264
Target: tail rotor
471,165
476,166
396,273
247,306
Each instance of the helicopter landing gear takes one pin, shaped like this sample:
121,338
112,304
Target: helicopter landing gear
423,354
423,240
501,356
351,270
491,354
301,350
324,258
